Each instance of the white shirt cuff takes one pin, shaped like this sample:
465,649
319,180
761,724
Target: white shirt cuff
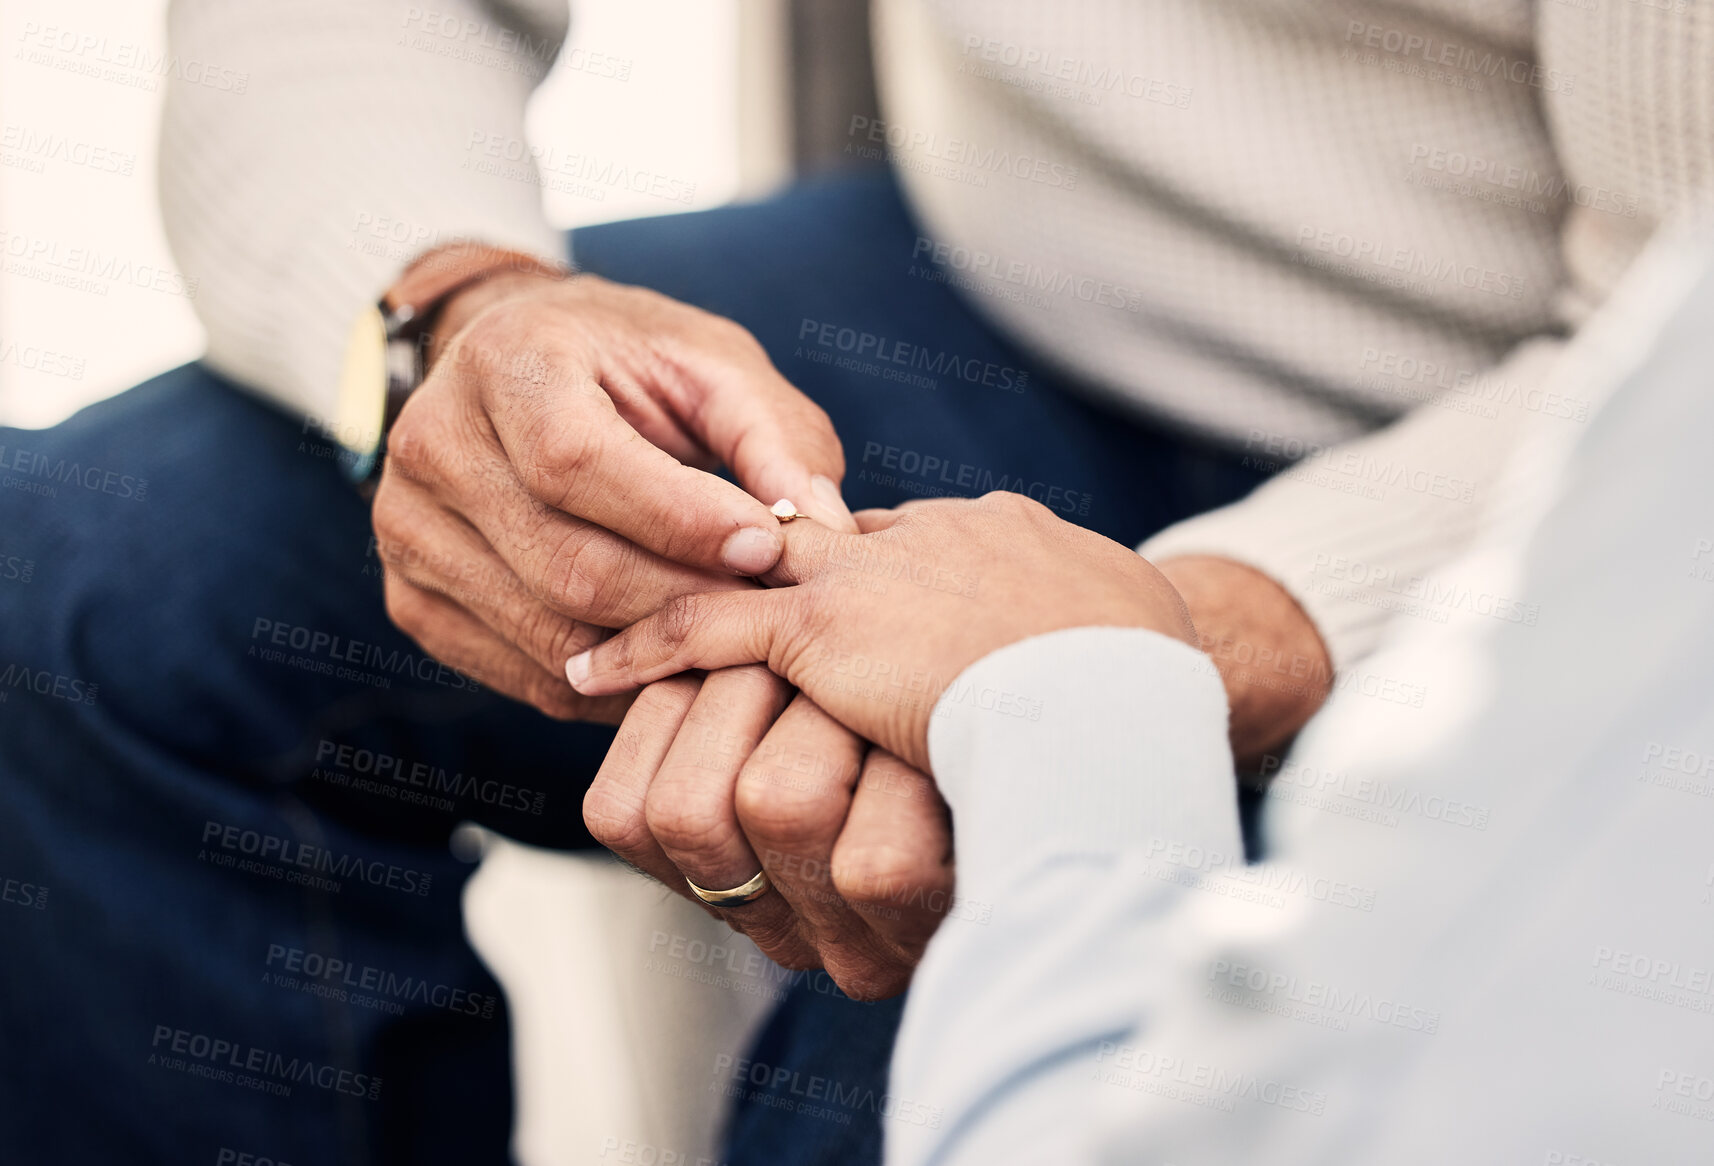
1086,741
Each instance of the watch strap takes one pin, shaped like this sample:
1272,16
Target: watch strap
435,276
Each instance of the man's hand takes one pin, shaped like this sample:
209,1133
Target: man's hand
543,483
1271,658
881,623
704,782
540,488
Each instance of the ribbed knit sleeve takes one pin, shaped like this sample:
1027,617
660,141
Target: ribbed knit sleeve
1363,530
1348,240
345,138
1357,530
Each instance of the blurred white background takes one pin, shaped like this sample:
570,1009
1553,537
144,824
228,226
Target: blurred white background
77,170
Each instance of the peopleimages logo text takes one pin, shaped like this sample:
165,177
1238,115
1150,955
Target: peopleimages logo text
234,1055
903,354
44,474
914,142
311,857
341,649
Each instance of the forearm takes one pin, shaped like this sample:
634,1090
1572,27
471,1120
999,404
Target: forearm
349,152
1349,531
1270,657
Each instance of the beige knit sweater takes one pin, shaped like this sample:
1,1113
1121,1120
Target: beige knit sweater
1346,234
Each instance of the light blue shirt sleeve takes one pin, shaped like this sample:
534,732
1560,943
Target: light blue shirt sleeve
1067,760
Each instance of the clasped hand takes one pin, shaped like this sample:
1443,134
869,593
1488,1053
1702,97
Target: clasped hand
865,627
547,484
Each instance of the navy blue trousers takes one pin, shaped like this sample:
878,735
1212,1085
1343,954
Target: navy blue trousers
229,912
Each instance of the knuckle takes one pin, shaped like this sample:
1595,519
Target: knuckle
684,823
391,522
677,621
406,606
587,571
778,804
538,629
833,458
615,820
405,445
876,873
411,444
868,979
620,654
1020,505
732,335
816,420
556,454
780,941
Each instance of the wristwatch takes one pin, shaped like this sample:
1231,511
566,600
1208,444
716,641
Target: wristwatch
385,357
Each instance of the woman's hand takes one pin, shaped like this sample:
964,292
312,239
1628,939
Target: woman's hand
882,622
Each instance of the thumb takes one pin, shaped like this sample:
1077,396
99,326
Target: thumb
704,630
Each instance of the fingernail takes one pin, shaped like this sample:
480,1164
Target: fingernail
577,670
826,494
752,551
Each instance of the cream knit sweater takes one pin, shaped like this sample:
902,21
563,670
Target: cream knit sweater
1346,234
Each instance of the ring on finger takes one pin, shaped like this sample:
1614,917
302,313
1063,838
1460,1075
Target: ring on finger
745,892
785,510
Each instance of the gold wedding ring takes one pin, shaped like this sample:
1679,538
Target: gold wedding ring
738,895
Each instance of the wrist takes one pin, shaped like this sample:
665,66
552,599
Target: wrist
471,301
392,343
1270,657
